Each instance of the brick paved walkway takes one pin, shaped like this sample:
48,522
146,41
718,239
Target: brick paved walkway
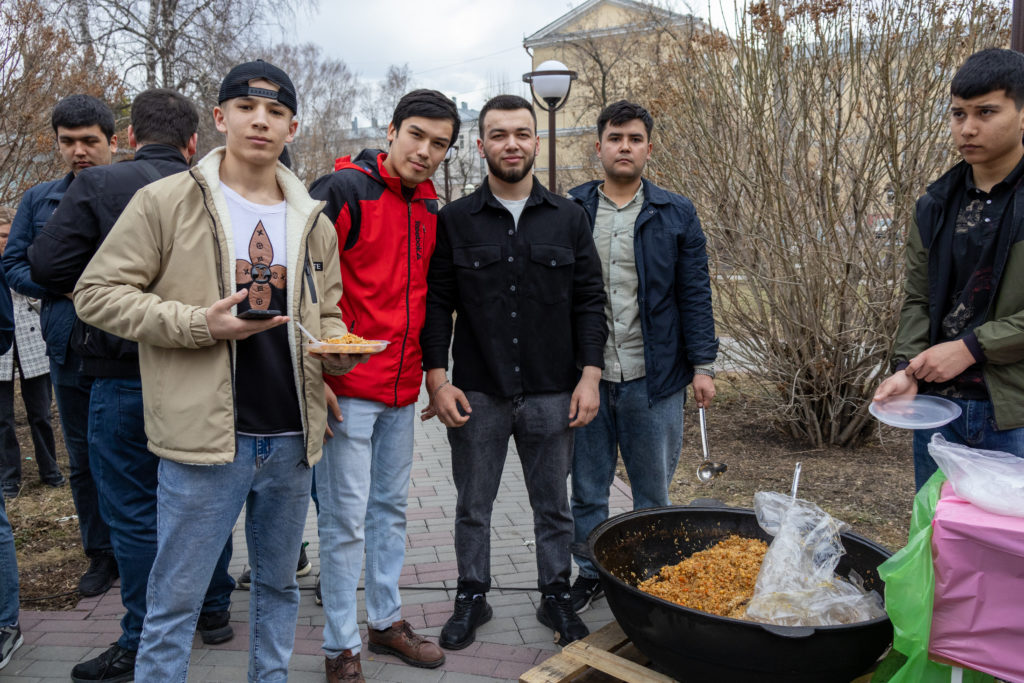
508,645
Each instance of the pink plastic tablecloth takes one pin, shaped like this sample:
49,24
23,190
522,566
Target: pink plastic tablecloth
978,614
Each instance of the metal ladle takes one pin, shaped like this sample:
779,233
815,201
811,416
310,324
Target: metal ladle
707,470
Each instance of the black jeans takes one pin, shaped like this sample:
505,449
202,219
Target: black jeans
71,390
36,395
539,423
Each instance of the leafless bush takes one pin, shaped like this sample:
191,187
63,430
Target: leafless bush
804,141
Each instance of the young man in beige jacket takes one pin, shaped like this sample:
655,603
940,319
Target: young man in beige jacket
209,270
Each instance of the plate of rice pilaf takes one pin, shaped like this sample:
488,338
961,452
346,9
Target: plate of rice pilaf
349,343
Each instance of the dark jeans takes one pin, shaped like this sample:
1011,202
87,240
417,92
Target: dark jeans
126,479
649,437
71,389
539,423
35,394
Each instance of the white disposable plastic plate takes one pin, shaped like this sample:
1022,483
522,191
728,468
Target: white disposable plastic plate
919,412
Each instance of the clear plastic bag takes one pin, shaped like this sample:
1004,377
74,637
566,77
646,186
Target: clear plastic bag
992,480
797,584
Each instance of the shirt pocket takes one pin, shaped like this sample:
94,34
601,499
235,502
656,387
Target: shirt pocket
477,272
550,273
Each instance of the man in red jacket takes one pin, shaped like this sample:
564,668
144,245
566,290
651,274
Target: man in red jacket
384,208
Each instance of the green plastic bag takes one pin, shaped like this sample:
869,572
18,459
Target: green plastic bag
909,589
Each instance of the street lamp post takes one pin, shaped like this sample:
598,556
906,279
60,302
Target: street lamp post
448,156
550,85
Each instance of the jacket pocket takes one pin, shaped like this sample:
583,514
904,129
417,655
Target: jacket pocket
550,272
477,272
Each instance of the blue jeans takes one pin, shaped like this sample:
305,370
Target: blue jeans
125,473
650,439
198,506
539,423
363,486
8,571
976,428
71,389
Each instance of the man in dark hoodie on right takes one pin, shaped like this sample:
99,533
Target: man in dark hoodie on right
384,208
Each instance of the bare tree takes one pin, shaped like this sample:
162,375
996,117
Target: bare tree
171,43
39,64
380,100
804,142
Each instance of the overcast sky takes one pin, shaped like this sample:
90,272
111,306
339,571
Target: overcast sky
458,47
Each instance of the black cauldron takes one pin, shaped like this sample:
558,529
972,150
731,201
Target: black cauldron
695,646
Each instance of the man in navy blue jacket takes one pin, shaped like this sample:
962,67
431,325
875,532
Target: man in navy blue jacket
661,331
84,128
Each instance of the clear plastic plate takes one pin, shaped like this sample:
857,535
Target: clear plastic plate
919,412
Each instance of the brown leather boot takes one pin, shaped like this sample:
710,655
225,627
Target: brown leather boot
401,641
344,667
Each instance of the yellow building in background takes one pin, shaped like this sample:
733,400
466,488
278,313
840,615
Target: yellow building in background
615,47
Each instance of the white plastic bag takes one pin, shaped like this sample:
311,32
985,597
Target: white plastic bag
992,480
797,584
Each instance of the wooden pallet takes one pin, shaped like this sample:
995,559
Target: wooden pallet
605,655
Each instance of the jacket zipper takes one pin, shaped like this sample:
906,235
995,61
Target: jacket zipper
309,276
408,284
303,283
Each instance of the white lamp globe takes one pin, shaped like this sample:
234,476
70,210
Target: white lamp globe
551,87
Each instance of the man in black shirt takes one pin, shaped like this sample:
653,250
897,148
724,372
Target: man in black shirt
519,266
961,332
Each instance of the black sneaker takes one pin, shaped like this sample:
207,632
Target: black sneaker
305,566
99,577
115,665
10,640
557,614
11,491
460,629
56,483
213,627
244,580
584,591
318,598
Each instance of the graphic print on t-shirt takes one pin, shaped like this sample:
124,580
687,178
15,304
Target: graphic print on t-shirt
259,271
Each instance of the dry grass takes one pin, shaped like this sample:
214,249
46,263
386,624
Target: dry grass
46,534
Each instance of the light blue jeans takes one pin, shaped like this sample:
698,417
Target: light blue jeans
649,437
8,571
197,506
975,428
363,486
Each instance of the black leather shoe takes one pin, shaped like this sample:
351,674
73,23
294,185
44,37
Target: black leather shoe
460,629
557,614
115,665
99,577
213,627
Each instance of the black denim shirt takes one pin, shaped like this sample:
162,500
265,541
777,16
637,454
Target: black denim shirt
529,302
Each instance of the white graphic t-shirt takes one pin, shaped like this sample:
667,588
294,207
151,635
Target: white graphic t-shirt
265,392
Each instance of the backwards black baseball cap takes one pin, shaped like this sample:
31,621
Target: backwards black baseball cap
236,84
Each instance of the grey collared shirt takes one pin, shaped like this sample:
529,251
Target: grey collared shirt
614,227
